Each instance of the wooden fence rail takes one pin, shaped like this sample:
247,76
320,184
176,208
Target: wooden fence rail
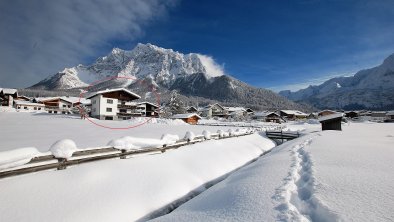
47,162
282,135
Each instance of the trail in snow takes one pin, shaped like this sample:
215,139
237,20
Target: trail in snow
297,202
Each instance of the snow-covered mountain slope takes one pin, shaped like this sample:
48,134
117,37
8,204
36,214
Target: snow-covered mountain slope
370,88
191,74
163,65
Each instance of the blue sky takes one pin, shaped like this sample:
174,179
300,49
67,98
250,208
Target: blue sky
272,44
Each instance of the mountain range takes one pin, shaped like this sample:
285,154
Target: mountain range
368,89
193,75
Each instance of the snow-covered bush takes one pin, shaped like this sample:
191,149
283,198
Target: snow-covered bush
63,148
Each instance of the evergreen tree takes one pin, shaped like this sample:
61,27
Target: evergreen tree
176,105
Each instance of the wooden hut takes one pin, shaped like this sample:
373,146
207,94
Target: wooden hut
331,122
191,118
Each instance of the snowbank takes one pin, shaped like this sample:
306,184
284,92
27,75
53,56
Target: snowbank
130,143
128,189
63,148
17,157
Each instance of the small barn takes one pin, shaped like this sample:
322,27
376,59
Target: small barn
191,118
331,122
191,109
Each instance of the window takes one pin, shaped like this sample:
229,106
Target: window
69,106
35,108
109,109
64,106
54,111
109,118
25,107
110,101
39,108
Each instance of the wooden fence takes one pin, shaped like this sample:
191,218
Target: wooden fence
48,162
282,135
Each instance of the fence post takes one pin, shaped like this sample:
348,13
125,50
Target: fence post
62,163
123,156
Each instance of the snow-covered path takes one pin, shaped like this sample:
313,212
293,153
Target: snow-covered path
326,176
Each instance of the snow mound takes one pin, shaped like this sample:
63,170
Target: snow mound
63,148
189,136
169,139
222,133
17,157
130,143
206,134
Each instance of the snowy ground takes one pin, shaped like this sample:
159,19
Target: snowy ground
41,130
325,176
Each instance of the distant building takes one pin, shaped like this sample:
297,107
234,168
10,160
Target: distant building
113,104
378,116
236,111
191,109
191,118
29,106
8,96
351,114
293,114
326,113
56,105
331,122
213,110
267,116
390,116
147,109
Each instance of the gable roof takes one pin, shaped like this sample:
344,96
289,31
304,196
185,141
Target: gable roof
8,91
329,117
294,112
155,105
185,116
113,90
236,109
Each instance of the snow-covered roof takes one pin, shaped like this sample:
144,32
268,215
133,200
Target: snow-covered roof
152,104
332,116
390,113
9,91
236,109
294,112
185,116
113,90
264,113
21,102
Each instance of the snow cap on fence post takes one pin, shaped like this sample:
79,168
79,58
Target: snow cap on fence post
63,149
189,136
206,134
221,133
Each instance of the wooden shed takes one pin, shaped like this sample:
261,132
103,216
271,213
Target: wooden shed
191,118
331,122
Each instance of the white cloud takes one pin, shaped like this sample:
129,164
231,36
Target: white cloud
41,37
213,69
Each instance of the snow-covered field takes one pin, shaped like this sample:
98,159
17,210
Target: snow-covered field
41,130
323,176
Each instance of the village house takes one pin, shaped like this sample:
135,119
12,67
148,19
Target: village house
292,114
326,113
147,109
351,114
390,116
55,105
190,118
267,116
191,109
28,106
113,104
8,96
378,116
236,111
213,110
